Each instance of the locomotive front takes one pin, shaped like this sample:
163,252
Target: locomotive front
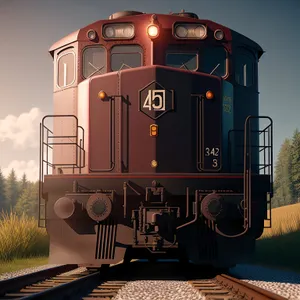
142,156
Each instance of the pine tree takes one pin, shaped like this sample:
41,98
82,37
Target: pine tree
295,167
11,190
282,192
2,192
23,183
28,201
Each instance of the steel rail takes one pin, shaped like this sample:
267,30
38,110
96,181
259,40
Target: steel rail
13,284
226,287
66,287
246,289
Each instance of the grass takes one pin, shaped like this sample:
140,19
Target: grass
279,246
20,237
285,219
22,263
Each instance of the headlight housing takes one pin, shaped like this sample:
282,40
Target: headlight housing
118,31
219,34
190,31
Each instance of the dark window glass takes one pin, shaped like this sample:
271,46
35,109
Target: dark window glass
213,61
244,70
94,61
66,69
126,57
187,61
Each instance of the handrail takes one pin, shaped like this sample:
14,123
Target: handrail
247,146
47,141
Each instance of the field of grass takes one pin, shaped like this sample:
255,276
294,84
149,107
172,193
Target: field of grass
22,263
279,246
20,237
285,219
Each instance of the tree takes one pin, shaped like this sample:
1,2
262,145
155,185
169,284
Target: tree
2,192
282,192
28,201
11,190
23,183
295,167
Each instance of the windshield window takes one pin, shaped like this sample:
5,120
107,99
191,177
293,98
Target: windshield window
94,61
187,61
213,61
126,57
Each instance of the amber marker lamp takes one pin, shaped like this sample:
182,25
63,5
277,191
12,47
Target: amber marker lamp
102,96
209,95
154,163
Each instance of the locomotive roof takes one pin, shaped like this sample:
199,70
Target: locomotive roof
132,15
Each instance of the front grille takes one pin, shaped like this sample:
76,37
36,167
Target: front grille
106,238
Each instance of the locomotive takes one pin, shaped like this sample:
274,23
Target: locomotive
156,148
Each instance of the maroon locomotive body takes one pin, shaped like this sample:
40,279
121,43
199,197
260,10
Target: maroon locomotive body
154,151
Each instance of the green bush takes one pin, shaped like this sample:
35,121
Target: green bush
21,237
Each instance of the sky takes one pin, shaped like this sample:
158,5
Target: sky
28,28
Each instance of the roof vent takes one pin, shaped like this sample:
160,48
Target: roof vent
125,13
186,14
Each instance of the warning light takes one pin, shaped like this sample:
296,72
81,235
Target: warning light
154,164
154,130
102,95
209,95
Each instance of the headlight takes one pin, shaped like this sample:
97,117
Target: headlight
153,31
190,31
181,31
219,34
118,31
91,34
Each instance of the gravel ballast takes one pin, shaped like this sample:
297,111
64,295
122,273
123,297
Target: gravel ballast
283,283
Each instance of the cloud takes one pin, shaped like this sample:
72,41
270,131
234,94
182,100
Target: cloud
22,130
30,168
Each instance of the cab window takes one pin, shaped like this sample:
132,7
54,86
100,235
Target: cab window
66,69
126,57
187,61
244,68
94,61
213,61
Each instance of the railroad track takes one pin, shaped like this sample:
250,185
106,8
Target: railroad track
224,287
105,291
94,284
56,284
13,284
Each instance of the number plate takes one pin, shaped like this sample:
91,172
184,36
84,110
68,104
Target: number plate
155,100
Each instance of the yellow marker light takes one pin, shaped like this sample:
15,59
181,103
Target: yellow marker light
209,95
154,130
153,31
153,163
102,95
